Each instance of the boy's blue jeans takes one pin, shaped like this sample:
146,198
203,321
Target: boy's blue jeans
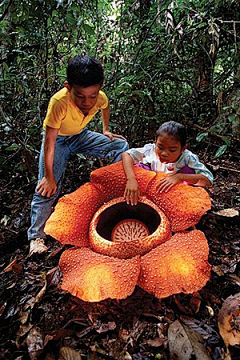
88,143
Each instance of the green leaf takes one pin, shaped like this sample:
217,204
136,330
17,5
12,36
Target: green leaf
54,13
14,146
220,151
89,29
227,141
49,22
148,93
231,107
81,156
5,65
70,19
201,136
231,117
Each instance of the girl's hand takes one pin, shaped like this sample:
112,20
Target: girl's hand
167,183
132,192
47,187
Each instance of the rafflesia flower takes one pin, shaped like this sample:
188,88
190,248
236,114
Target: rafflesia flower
118,246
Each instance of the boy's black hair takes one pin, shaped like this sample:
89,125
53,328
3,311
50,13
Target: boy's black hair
84,71
174,129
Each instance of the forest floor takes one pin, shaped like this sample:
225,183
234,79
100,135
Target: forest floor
40,321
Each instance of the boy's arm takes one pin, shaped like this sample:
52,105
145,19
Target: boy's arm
105,121
132,191
167,183
47,185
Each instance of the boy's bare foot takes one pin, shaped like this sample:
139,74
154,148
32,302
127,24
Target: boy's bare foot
37,246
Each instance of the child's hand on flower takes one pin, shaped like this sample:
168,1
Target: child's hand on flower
168,182
132,191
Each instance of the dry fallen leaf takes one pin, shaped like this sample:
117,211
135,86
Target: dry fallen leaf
234,278
37,247
68,353
157,342
54,276
13,266
227,212
185,343
35,343
229,320
123,334
32,301
104,327
24,329
189,307
10,266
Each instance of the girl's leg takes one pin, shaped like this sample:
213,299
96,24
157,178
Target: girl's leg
98,145
41,207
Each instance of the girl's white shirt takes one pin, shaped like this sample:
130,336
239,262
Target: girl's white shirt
148,156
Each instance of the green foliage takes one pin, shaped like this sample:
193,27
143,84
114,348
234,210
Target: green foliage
163,60
221,150
202,136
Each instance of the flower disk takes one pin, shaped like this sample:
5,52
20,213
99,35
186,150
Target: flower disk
128,230
94,277
179,265
130,247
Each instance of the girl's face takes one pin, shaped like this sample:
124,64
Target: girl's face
168,149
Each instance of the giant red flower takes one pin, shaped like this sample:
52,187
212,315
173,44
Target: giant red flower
118,246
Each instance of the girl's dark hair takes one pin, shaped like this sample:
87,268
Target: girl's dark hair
175,129
84,71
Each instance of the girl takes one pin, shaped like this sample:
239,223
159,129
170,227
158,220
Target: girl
169,155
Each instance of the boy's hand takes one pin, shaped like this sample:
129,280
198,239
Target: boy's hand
167,183
132,192
112,136
47,187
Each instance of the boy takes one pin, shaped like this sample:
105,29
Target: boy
69,111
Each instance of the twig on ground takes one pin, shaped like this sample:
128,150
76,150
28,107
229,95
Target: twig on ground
224,168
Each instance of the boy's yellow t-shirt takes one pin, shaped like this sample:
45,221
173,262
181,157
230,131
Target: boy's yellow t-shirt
64,115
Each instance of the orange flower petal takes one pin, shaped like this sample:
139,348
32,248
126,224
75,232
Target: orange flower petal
179,265
94,277
113,179
113,213
70,221
184,205
144,177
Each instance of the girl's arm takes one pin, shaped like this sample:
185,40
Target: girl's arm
132,191
167,183
47,186
202,176
105,122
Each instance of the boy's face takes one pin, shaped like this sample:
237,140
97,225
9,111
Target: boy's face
168,148
84,97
